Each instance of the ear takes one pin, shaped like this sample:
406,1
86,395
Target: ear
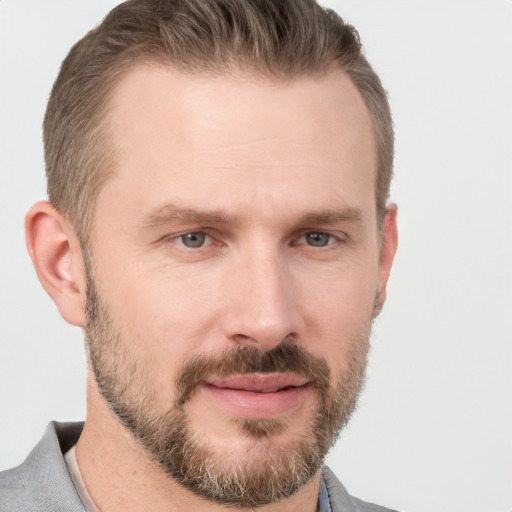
57,257
389,243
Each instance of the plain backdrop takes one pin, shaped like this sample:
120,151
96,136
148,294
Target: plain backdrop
434,427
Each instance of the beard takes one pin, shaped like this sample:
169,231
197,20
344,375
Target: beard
267,473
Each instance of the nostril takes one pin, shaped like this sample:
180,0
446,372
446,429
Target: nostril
243,338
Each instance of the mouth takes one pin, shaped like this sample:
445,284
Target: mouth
258,395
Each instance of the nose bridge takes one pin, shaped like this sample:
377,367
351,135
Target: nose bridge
262,306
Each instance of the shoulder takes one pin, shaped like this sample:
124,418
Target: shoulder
342,501
42,481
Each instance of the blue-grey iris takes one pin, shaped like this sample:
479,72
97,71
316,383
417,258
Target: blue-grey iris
193,240
317,239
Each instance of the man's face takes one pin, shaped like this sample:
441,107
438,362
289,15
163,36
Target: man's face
234,274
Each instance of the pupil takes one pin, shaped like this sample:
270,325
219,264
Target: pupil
317,239
193,240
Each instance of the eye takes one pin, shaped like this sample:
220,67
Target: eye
317,239
193,240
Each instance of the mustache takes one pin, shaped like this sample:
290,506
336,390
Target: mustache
242,360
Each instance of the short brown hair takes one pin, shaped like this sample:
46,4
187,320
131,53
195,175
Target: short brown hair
284,39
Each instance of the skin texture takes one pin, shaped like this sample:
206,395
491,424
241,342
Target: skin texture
256,165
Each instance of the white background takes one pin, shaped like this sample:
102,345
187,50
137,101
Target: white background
434,428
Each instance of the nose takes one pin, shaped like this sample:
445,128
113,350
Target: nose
261,304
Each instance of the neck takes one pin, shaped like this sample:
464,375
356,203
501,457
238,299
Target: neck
121,476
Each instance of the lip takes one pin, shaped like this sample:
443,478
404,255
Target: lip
258,396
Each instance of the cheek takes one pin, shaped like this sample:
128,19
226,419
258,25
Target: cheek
339,314
162,321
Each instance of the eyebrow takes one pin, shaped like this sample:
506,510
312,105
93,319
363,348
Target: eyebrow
171,213
332,216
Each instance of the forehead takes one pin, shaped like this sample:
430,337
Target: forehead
242,135
198,103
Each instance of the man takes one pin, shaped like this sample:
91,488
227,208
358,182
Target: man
218,175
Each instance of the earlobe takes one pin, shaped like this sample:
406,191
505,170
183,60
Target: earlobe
389,244
56,254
